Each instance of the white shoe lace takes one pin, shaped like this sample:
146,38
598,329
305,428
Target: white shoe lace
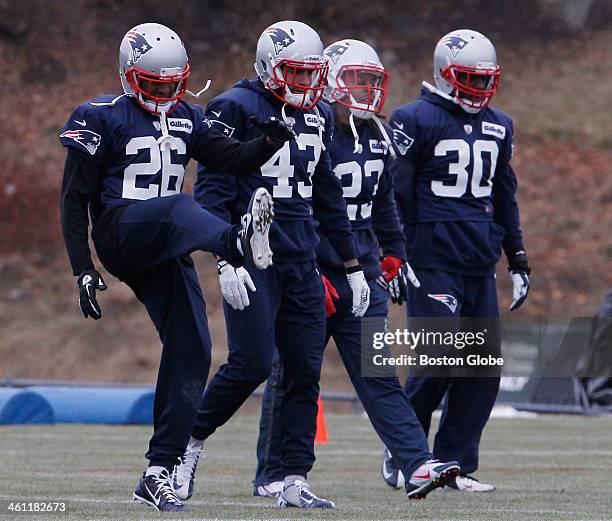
165,489
304,488
185,470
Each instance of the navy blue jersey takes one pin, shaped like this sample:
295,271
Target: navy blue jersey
454,185
115,159
299,176
122,140
368,191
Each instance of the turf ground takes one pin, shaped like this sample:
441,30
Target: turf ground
547,468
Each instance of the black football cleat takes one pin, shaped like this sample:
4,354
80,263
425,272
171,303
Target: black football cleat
157,492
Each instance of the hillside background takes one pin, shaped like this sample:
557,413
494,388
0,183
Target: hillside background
556,59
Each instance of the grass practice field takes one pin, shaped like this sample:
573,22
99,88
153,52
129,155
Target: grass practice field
546,468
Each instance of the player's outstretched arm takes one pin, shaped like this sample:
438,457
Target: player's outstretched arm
79,184
225,154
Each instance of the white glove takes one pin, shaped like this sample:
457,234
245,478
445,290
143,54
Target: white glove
234,283
520,283
361,291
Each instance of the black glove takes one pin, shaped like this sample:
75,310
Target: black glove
398,287
90,281
275,129
519,269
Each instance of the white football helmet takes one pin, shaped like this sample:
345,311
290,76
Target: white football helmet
357,78
289,61
151,57
465,68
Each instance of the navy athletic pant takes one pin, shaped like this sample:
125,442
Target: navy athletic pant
383,398
469,400
287,310
149,251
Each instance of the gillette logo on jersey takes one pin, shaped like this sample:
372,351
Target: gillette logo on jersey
279,38
181,125
89,140
139,45
312,120
493,130
455,44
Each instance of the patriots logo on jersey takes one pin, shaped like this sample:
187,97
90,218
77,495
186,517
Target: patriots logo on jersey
335,51
455,44
447,300
86,138
225,128
402,141
279,38
139,45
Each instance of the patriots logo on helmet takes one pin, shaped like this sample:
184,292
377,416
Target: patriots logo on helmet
279,38
402,141
455,44
447,300
335,51
138,43
89,140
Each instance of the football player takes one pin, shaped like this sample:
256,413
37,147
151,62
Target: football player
125,164
287,308
357,88
456,195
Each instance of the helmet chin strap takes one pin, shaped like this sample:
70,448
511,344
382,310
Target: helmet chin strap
381,128
442,94
319,127
358,149
385,135
165,141
111,103
199,93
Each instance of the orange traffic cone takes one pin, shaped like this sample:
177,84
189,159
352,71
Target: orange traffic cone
321,435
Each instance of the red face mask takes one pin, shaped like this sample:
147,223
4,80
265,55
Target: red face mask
365,87
157,90
300,83
474,87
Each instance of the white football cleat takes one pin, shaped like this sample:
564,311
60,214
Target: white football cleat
429,476
272,489
468,484
183,477
299,495
256,228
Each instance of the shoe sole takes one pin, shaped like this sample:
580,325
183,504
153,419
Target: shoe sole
444,477
143,501
285,504
262,213
138,499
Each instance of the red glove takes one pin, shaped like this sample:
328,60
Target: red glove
330,294
390,267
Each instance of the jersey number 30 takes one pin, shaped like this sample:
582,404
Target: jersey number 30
460,168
